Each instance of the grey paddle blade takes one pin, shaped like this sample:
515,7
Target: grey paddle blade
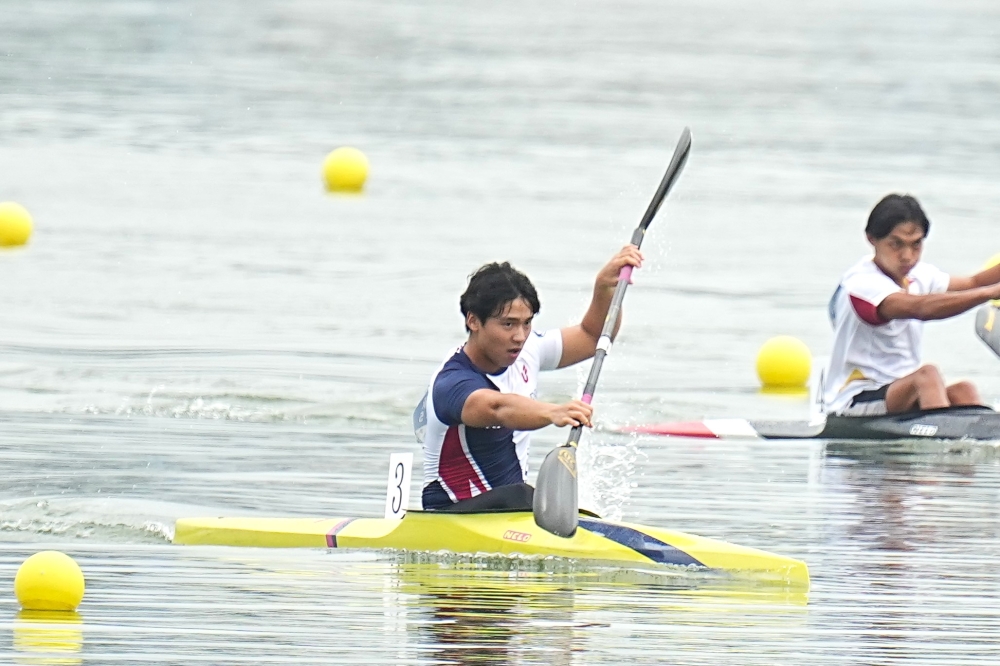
556,505
988,327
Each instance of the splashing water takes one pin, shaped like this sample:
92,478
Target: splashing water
607,464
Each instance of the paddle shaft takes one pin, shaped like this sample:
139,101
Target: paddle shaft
556,501
604,342
625,276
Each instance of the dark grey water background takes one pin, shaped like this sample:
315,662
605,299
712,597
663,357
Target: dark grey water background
196,328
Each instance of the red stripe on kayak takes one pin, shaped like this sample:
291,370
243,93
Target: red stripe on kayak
331,536
677,429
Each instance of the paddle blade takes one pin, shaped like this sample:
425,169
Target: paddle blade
556,505
674,169
988,327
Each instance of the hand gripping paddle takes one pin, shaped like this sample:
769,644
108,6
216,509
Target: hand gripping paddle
988,327
556,502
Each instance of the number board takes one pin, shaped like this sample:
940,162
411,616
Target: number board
397,490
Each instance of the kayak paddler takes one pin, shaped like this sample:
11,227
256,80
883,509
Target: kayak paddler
878,312
475,420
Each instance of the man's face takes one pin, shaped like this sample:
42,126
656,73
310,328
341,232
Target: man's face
899,252
501,338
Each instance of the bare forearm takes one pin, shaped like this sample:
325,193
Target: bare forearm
508,410
520,413
580,341
987,277
934,306
486,409
593,321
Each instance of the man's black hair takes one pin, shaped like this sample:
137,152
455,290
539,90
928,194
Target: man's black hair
492,287
892,210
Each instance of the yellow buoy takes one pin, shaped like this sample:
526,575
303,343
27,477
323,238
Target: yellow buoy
15,224
784,362
993,261
49,581
345,170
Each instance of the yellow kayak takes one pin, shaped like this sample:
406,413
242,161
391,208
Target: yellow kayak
501,533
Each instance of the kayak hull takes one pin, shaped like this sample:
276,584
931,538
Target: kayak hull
952,423
500,533
979,423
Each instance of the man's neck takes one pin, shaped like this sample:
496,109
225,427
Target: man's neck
479,359
900,281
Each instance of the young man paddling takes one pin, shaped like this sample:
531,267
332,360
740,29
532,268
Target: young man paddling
474,421
878,312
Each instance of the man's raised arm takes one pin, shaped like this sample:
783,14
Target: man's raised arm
984,278
580,341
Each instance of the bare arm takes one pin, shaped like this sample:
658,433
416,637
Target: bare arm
580,341
981,279
935,306
486,408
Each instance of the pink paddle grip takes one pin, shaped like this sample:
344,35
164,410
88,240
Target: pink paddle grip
625,274
587,398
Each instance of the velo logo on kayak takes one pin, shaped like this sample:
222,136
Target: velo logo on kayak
921,430
511,535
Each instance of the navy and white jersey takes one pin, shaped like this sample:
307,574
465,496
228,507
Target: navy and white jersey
461,461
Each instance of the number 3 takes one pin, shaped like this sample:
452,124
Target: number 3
397,497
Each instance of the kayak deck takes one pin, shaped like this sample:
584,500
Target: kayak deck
501,533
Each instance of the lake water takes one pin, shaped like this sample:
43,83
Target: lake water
196,328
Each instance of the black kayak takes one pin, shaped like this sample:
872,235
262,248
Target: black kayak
971,423
980,423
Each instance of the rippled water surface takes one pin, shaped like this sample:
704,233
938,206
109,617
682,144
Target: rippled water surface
197,329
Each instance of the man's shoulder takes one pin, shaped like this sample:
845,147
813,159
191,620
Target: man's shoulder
927,274
451,386
458,363
865,268
539,339
544,340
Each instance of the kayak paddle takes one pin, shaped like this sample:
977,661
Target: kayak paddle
556,502
988,326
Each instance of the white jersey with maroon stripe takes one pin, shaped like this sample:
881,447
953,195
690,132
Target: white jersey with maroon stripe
868,351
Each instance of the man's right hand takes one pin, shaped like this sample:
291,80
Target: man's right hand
572,413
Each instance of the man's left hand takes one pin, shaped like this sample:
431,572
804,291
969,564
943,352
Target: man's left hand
627,256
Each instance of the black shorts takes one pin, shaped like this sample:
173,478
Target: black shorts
868,403
514,497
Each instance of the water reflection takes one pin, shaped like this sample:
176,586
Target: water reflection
48,638
506,611
907,493
915,513
472,616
